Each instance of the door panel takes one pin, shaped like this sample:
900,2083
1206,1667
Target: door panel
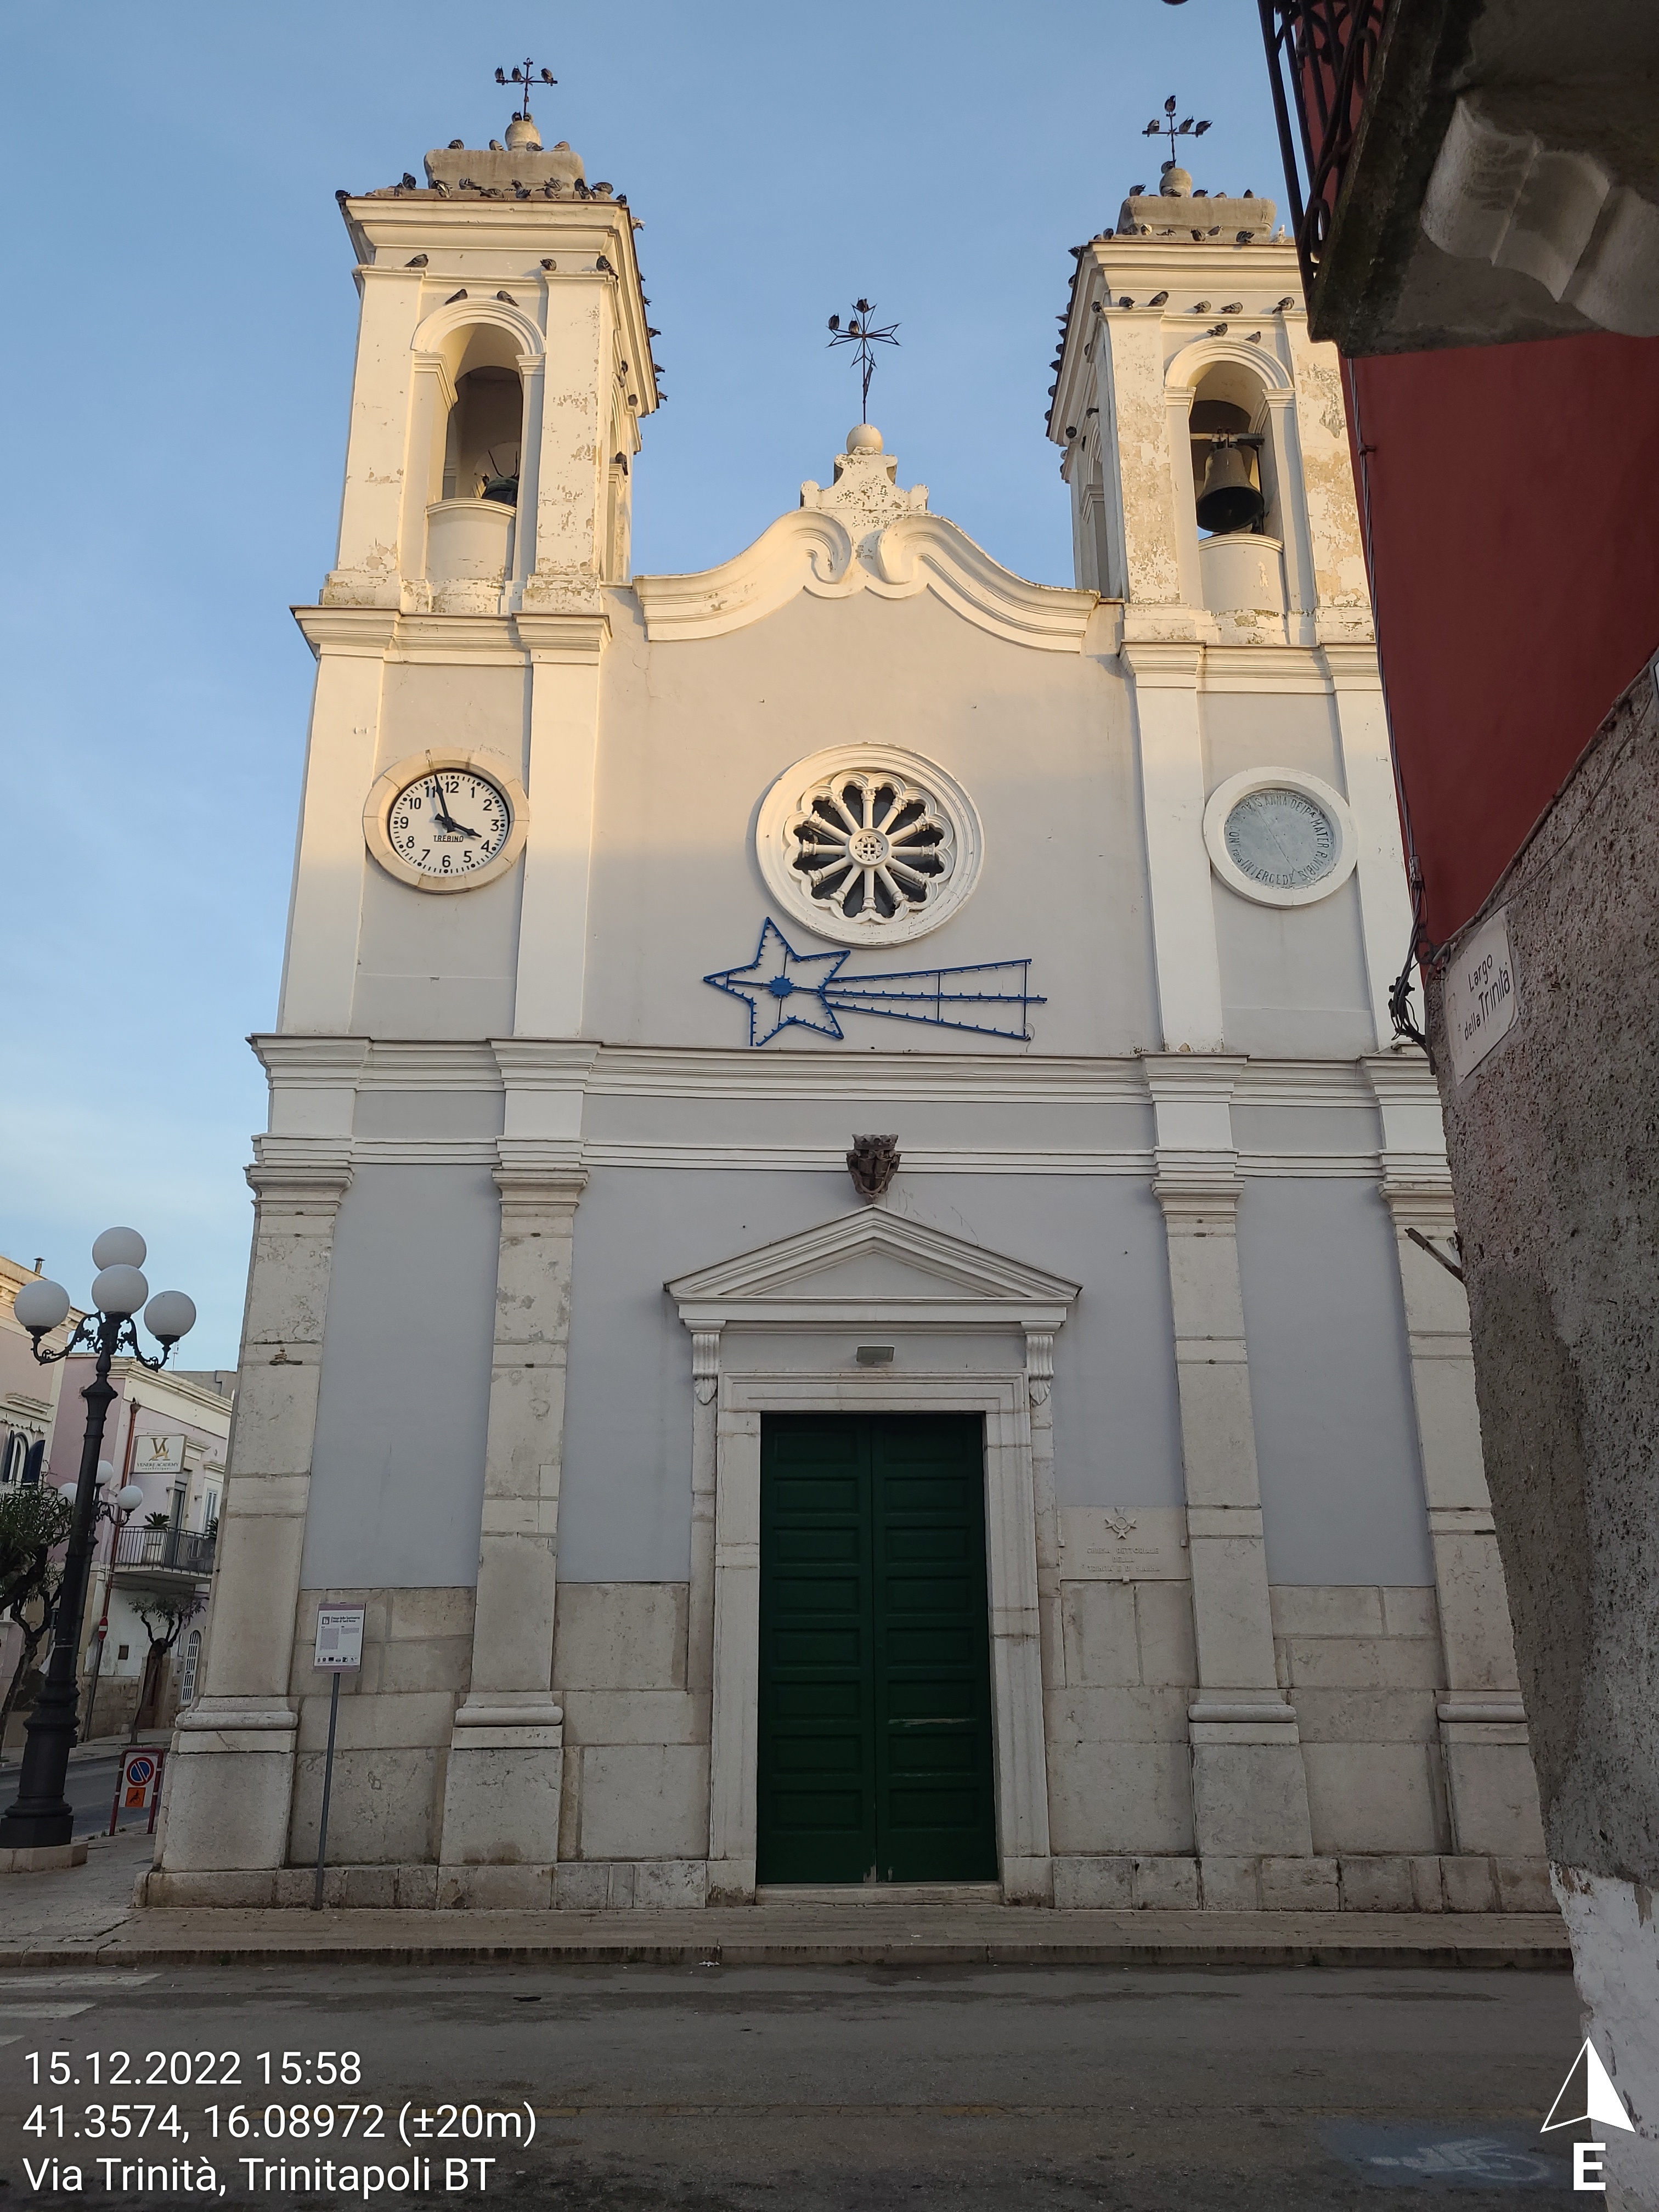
875,1708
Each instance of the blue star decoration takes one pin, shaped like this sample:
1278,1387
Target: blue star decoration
779,986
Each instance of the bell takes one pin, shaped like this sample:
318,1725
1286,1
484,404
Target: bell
1229,500
505,489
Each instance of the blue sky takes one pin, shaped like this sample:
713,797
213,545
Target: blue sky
183,317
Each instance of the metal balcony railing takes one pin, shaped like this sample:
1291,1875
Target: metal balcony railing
1320,57
173,1551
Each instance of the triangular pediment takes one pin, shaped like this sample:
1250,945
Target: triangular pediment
873,1265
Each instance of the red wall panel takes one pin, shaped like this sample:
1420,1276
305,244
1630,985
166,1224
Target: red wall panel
1513,514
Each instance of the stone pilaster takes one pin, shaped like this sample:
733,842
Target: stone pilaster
705,1471
1039,1382
1249,1792
1491,1793
231,1780
507,1751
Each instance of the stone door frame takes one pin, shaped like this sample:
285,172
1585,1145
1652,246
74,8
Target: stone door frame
1021,1764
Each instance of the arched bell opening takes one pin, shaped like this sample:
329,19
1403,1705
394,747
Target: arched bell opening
1235,495
470,524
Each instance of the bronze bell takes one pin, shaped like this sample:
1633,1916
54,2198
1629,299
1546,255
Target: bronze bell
1229,500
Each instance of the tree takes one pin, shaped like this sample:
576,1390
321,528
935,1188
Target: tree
34,1523
165,1616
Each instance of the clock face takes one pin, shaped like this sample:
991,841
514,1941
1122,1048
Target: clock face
450,822
1281,838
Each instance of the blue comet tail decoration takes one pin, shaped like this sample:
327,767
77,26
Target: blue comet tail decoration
780,986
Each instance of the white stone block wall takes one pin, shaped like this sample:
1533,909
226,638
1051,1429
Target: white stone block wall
1119,1768
1362,1666
392,1737
636,1739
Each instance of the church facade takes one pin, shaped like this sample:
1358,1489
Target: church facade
846,1264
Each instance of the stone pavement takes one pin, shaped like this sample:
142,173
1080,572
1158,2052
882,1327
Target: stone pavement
88,1913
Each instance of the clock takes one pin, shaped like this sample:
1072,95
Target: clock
446,822
1279,837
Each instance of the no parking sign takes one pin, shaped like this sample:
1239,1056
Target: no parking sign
137,1785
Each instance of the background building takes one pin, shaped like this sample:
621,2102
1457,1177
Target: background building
1087,1501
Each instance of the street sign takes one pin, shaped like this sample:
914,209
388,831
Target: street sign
339,1638
137,1785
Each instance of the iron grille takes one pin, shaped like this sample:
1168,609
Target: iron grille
1320,57
176,1550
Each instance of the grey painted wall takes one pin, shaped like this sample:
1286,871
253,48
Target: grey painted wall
396,1484
1341,1485
624,1511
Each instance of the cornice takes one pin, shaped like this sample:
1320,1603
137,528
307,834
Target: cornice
563,638
812,551
310,1059
364,631
1164,664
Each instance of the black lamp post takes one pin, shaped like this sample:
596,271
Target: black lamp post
41,1818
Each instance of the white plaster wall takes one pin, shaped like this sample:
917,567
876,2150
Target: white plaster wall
695,734
1341,1485
432,966
396,1482
1293,979
625,1496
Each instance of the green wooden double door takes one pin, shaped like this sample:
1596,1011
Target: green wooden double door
875,1759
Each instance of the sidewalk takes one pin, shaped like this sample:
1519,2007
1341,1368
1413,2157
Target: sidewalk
86,1916
100,1747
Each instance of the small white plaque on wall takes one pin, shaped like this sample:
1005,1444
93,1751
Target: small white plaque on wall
1123,1544
1480,995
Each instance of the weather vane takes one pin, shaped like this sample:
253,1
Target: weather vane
526,76
862,334
1158,125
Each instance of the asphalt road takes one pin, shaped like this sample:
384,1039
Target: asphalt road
90,1790
835,2090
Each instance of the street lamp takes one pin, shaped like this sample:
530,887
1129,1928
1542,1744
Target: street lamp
41,1818
117,1507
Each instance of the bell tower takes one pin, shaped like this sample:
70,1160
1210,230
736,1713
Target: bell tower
503,369
1203,432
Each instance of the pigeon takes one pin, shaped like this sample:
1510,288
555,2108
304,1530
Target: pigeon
1094,306
1126,301
550,264
600,192
1200,307
466,183
1200,191
1249,194
453,296
1289,300
600,263
497,147
1136,190
508,297
1071,430
1217,329
650,333
456,145
1256,338
409,184
416,261
341,195
1245,236
1157,299
442,189
1233,307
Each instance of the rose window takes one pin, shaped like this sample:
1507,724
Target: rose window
871,844
868,843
